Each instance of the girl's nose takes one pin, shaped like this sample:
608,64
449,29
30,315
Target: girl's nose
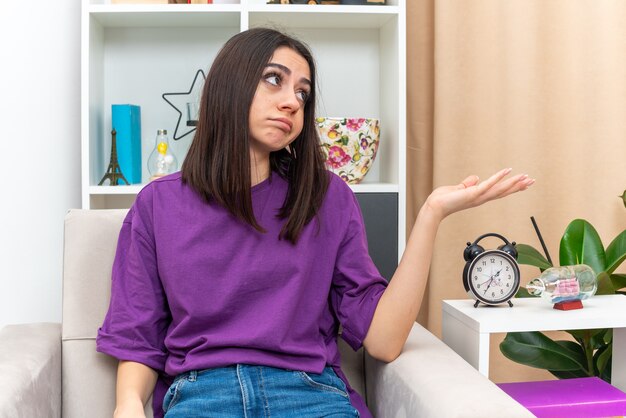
289,100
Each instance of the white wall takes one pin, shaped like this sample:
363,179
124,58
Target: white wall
40,149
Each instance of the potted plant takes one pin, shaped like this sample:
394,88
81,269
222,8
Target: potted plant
590,352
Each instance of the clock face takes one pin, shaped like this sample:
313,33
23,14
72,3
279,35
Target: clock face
493,277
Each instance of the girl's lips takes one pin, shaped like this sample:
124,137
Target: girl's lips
285,124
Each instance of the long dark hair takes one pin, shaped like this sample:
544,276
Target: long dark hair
217,165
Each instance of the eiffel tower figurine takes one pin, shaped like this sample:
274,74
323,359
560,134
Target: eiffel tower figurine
114,172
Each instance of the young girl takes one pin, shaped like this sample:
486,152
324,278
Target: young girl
234,275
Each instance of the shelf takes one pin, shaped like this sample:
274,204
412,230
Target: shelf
133,189
166,15
319,17
374,188
349,60
227,15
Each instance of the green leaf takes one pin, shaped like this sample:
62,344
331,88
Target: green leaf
602,358
523,293
606,374
534,349
575,348
618,280
605,286
530,256
595,336
581,244
569,374
598,339
616,252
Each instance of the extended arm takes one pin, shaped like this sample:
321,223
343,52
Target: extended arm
400,303
135,383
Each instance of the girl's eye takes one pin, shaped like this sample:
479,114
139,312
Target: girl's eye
303,95
276,79
273,78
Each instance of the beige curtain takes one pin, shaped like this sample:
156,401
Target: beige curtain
536,85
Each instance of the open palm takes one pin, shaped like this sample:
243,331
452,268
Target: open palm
446,200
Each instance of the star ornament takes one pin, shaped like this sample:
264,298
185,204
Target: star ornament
180,101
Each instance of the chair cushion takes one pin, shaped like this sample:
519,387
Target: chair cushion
89,381
353,366
89,249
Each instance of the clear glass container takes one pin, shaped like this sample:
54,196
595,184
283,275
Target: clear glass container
566,283
162,160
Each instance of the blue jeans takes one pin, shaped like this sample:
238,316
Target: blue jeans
257,392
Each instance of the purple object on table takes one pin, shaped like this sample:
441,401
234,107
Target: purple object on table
580,397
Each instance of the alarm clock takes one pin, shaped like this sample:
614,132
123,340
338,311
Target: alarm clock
491,277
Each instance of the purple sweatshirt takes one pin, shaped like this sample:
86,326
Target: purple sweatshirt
194,288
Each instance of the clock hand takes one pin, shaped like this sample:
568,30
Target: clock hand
497,276
490,283
488,280
491,279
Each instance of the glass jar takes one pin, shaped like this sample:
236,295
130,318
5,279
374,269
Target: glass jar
162,160
566,283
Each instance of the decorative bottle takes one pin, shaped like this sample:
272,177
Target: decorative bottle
563,284
162,160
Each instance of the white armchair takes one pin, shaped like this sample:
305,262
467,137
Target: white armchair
53,370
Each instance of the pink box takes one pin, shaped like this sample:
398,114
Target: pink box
581,397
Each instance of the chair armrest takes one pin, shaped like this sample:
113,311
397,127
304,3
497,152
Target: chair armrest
30,370
429,379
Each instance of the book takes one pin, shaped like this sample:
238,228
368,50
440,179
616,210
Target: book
126,120
577,397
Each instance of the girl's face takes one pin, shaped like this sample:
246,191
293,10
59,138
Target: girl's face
277,110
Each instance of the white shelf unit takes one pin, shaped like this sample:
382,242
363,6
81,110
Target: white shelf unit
135,53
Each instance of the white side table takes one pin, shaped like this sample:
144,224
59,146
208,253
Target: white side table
466,329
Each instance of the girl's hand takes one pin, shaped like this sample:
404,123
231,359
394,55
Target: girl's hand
446,200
